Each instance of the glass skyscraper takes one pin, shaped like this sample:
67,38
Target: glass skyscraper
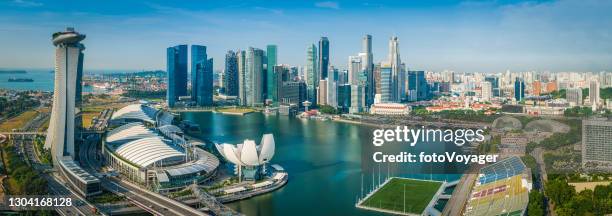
271,83
312,76
323,58
177,73
519,89
386,83
198,56
230,81
254,76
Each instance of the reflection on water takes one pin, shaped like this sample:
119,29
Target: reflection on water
323,159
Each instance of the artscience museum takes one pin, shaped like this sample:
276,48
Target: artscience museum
250,159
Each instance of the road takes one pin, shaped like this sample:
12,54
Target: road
145,199
57,186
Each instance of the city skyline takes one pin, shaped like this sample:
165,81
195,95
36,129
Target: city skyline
463,36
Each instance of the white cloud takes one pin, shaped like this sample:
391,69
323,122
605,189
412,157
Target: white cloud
25,3
328,4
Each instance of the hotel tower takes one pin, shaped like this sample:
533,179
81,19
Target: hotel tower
63,126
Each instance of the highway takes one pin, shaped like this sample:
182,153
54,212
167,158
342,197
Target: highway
149,201
57,186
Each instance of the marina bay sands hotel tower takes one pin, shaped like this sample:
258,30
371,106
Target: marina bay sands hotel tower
64,127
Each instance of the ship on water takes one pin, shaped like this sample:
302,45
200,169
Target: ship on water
12,79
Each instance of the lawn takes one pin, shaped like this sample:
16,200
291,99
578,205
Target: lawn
416,195
18,121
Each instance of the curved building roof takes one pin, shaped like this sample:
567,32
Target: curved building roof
136,111
146,151
129,132
248,153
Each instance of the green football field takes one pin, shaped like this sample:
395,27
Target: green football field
404,195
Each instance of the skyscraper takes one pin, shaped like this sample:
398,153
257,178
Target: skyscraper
204,83
322,92
368,68
354,69
230,77
63,126
254,76
594,93
177,73
323,58
395,61
272,84
486,91
386,82
417,85
574,96
198,55
597,141
312,74
519,89
242,84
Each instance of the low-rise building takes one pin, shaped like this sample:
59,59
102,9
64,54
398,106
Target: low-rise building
390,109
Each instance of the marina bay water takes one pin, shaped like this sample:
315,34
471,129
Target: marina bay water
323,159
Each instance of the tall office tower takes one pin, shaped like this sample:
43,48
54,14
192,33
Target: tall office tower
377,71
357,98
344,97
312,74
331,92
417,86
271,83
242,85
198,56
177,73
596,141
204,83
519,89
342,77
358,103
323,58
574,96
368,68
486,89
494,85
594,93
386,82
395,61
293,73
230,78
281,75
354,69
254,76
322,92
63,126
605,79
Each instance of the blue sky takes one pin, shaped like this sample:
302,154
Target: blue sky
470,36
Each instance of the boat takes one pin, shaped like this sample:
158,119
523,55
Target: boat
12,79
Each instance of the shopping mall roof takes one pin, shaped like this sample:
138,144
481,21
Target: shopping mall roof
146,151
136,111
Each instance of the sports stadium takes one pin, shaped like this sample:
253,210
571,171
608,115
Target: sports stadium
148,150
501,189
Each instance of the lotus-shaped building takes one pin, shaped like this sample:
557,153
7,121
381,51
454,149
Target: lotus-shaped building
248,155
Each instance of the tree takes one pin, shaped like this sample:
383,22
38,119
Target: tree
536,204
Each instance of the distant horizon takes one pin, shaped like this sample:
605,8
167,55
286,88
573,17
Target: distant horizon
462,36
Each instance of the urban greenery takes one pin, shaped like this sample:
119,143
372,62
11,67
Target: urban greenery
326,109
404,195
578,112
22,179
21,102
141,94
568,202
536,205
